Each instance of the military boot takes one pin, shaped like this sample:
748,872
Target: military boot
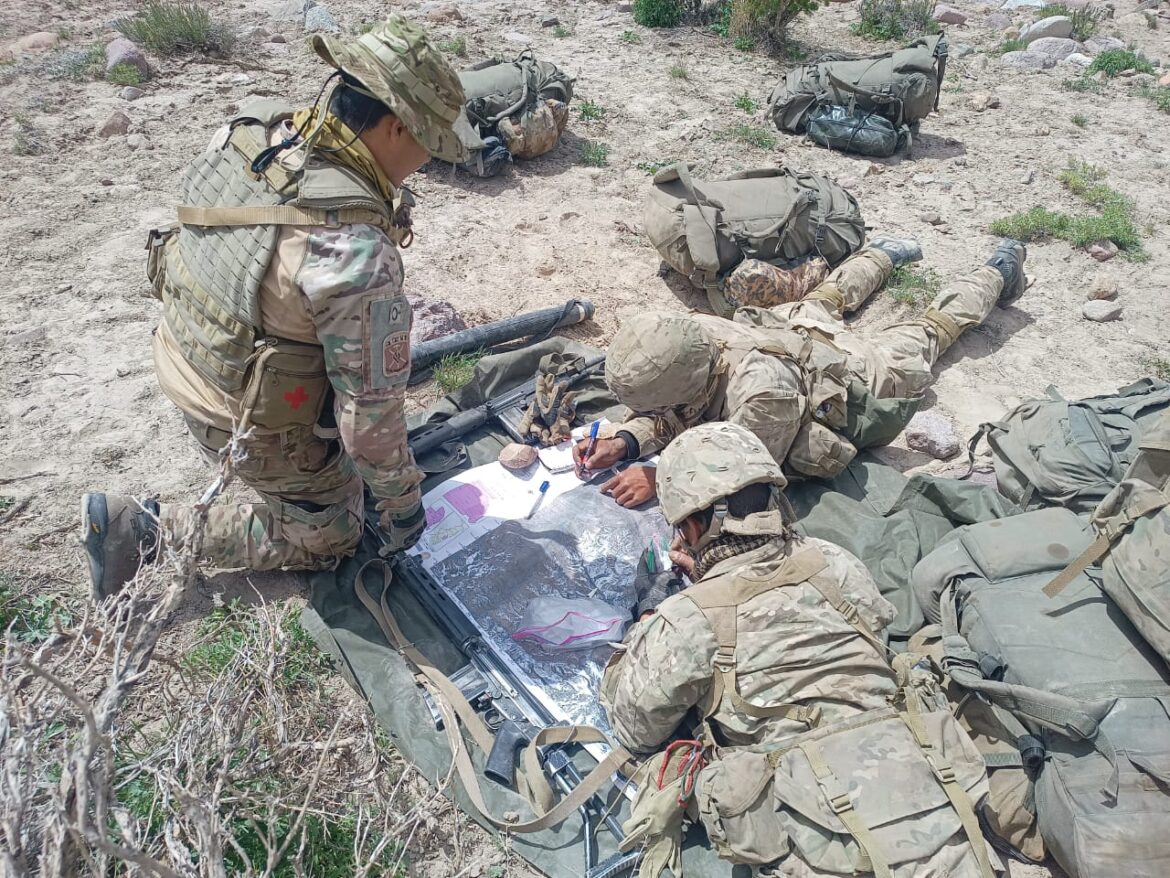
119,535
900,250
1009,261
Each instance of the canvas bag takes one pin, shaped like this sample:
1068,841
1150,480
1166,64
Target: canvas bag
703,229
1074,673
902,86
1054,451
863,132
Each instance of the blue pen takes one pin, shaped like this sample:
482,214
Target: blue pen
539,497
592,444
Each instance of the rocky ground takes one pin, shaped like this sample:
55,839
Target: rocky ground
89,166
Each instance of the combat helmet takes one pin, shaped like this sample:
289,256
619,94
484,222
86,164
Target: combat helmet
660,361
706,465
398,65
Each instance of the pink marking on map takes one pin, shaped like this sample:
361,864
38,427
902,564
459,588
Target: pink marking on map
435,514
469,501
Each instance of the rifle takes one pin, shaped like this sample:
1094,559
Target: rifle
507,408
509,709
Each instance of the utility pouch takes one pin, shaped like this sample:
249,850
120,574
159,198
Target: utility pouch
286,386
156,253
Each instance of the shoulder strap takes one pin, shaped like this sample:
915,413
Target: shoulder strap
278,215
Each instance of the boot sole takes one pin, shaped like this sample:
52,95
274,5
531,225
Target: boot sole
95,523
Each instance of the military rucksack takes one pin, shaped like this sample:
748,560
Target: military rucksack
901,86
520,106
1089,695
704,228
1070,453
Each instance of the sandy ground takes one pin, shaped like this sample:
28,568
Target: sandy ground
79,406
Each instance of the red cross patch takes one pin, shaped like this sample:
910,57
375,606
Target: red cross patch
296,397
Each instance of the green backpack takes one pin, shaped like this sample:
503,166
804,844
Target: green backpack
704,228
1070,453
1080,693
901,86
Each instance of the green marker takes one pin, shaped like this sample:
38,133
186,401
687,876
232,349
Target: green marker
650,565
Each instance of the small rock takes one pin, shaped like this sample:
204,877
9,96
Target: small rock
293,10
117,125
434,319
278,38
982,100
848,182
624,7
997,21
551,21
1104,287
29,336
874,169
122,51
515,456
1075,4
922,179
1028,178
961,50
36,42
1165,81
1101,311
1027,61
444,13
1099,76
1097,45
516,37
1078,59
1023,4
106,182
1102,251
130,93
1011,33
137,141
1052,26
320,20
944,14
1057,48
931,218
1143,79
932,434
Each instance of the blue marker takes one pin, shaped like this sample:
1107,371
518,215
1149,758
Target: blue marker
539,497
589,448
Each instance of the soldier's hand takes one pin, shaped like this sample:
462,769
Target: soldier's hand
652,587
632,487
683,560
605,454
403,527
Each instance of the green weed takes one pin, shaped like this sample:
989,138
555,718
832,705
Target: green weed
455,46
27,139
1114,61
1010,46
590,112
1159,367
560,32
230,629
677,71
31,619
913,285
753,135
75,64
895,19
455,370
653,167
1151,20
167,28
1160,95
1083,84
630,36
745,103
657,13
721,23
1114,223
594,153
125,74
744,44
1079,120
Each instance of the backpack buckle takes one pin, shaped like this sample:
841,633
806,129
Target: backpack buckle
725,658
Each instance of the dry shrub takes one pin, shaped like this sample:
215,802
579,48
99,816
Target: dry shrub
766,21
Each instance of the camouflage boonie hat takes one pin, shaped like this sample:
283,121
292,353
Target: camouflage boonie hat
399,66
708,463
659,361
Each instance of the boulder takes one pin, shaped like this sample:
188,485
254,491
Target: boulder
115,126
1104,287
1052,26
1097,45
1101,311
1078,59
982,100
944,14
122,51
443,13
932,434
130,93
1102,251
997,21
1056,48
433,320
1027,61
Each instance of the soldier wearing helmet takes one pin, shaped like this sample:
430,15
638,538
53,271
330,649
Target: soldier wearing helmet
765,643
793,374
284,320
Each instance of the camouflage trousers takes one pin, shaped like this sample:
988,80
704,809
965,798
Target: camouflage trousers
312,510
896,361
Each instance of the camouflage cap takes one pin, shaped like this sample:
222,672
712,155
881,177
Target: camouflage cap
708,463
398,65
659,361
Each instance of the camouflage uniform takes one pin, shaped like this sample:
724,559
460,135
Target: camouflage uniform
758,377
330,287
791,645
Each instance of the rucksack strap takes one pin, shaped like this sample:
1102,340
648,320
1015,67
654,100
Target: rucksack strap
278,215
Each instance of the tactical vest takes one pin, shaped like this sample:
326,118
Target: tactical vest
207,271
865,795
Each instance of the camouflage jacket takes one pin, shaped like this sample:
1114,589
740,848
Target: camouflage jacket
766,383
792,647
